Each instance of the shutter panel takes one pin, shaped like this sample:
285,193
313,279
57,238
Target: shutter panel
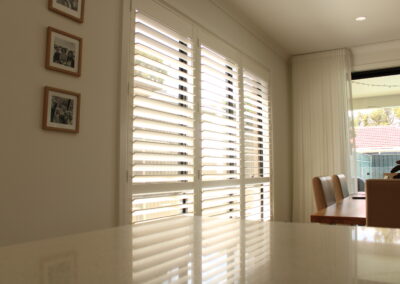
219,117
164,138
256,127
150,207
221,201
257,198
162,105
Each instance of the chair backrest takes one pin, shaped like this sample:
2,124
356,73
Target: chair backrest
323,191
360,184
383,198
340,186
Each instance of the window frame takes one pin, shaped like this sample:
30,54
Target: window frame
199,35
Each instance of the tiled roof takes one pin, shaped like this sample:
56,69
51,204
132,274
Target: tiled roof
378,137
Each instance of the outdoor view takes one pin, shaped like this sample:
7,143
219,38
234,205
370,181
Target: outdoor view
376,113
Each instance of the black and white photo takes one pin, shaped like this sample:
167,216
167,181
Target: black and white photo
61,110
73,9
63,52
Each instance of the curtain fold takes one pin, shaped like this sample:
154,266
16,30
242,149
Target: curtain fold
322,131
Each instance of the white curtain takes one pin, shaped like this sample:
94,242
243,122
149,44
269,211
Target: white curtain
321,123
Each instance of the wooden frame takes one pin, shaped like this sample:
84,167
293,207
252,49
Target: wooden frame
76,14
61,110
63,52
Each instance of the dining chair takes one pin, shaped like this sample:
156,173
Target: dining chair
383,197
323,191
360,185
340,186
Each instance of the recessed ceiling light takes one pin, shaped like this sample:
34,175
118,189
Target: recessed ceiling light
360,19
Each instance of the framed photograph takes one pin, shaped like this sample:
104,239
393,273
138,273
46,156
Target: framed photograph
73,9
64,52
61,110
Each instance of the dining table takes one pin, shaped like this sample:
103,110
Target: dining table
349,211
194,249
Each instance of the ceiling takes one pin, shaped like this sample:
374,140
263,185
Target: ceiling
376,87
304,26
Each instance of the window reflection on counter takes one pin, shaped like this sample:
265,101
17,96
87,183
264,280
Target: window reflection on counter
378,235
162,251
220,251
206,250
378,251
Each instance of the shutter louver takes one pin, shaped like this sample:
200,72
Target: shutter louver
219,117
256,127
150,207
221,202
163,105
257,201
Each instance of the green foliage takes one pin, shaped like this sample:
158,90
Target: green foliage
378,117
396,111
361,119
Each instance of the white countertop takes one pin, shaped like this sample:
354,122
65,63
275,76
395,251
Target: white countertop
206,250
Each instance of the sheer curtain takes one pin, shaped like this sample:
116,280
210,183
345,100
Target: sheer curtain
322,128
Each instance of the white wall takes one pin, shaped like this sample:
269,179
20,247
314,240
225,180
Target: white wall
55,183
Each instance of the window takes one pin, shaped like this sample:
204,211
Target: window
201,129
376,113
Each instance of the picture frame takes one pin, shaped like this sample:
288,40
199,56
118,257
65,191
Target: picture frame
72,9
63,52
61,110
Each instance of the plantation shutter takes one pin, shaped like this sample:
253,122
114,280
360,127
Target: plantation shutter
162,105
155,206
256,147
225,156
163,139
257,201
219,117
223,201
256,127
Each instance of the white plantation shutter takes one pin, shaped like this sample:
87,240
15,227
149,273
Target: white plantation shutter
257,155
257,201
200,136
219,117
221,201
256,127
162,122
150,207
200,124
163,105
